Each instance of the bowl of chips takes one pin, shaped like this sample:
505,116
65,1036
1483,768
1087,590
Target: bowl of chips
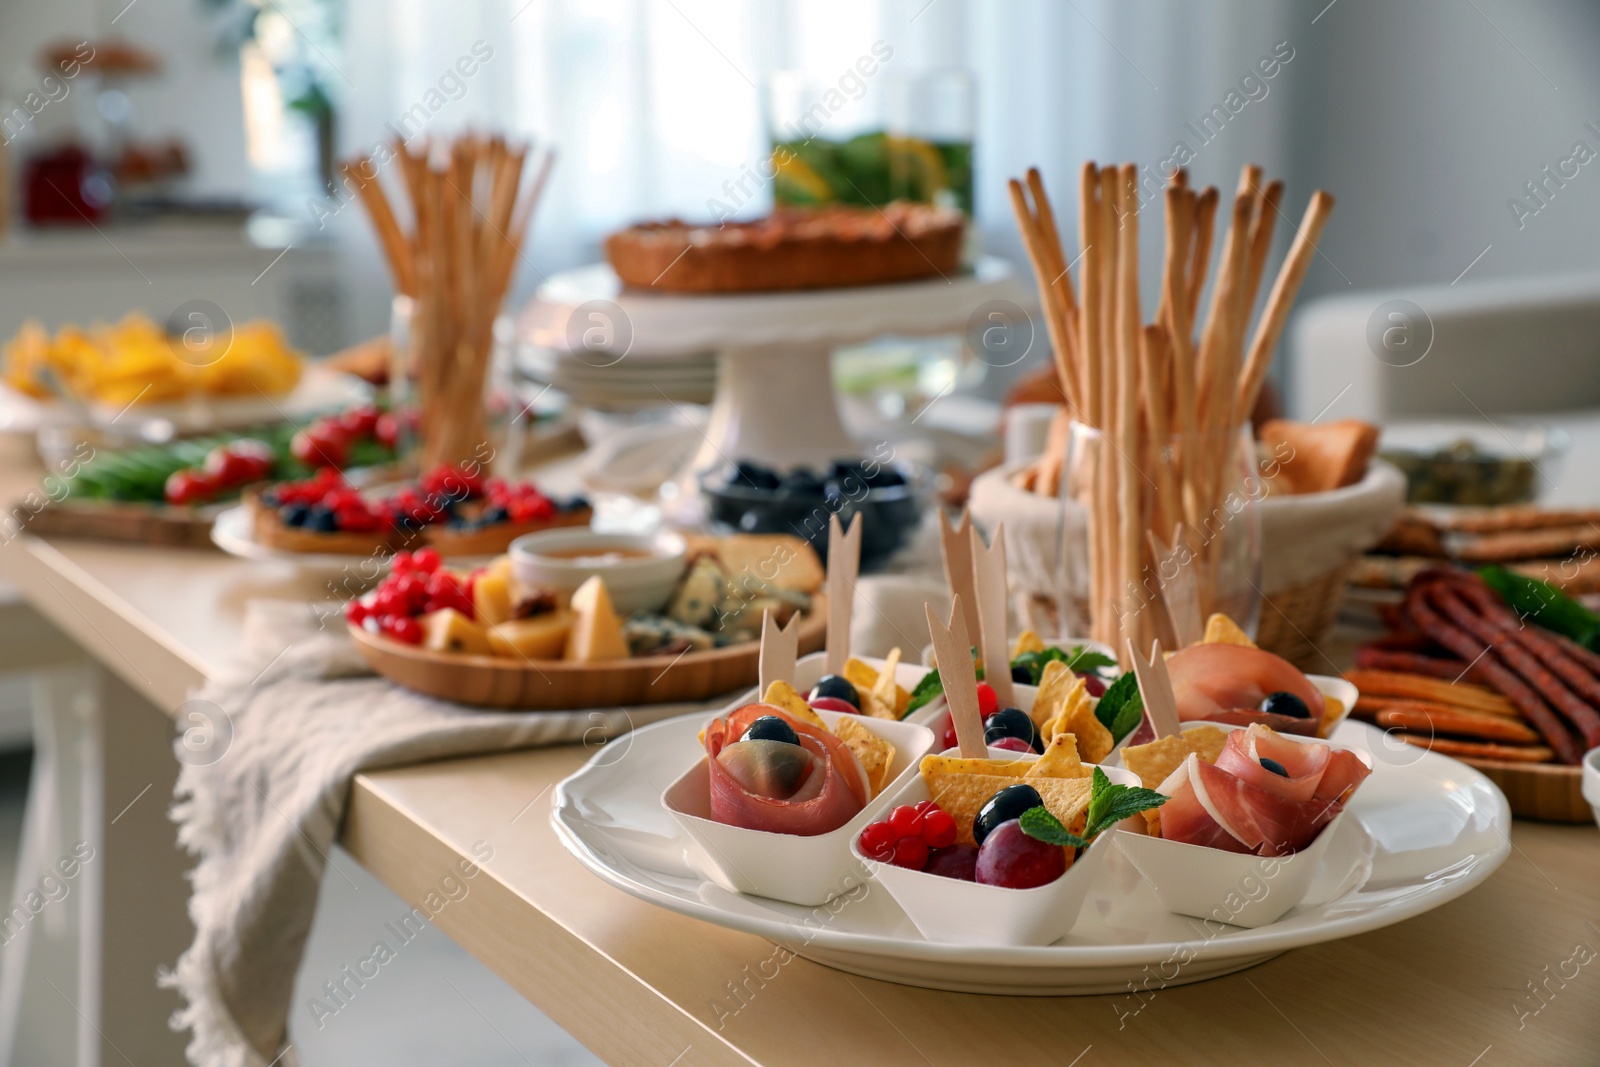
804,870
963,912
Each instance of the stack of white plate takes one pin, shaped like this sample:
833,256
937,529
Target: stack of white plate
596,380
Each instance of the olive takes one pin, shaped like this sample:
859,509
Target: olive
1022,676
771,728
831,685
1281,703
1012,722
1004,806
1274,766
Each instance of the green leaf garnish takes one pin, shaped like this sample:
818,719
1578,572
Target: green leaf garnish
1078,659
1109,804
1121,708
1544,604
926,692
1039,824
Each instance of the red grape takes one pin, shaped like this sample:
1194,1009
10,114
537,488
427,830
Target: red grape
1012,859
843,707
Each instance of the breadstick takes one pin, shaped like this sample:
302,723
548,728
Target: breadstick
1284,290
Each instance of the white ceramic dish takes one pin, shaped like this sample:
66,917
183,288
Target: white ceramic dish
233,531
787,867
1591,781
1228,887
1419,833
948,909
639,584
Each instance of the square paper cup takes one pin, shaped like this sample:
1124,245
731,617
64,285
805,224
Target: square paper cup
1236,888
799,870
951,910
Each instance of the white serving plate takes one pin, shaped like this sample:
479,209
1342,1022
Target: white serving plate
1419,833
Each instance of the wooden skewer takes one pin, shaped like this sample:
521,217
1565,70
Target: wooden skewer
953,649
844,564
1155,686
989,582
780,650
955,543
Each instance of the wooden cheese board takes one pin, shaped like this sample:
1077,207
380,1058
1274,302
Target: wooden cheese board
562,685
100,520
1545,791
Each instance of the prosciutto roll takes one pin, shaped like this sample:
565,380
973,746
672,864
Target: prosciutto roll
834,791
1239,805
1226,683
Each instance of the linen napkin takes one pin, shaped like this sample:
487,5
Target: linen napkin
273,742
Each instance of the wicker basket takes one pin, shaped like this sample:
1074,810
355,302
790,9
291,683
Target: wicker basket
1309,545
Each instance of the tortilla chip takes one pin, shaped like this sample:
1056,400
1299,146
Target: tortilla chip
891,695
1060,760
1206,742
1056,687
1027,641
781,694
1005,768
859,674
1094,740
1332,708
1154,761
1221,630
962,795
876,754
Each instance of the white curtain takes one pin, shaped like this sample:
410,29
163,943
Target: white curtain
655,105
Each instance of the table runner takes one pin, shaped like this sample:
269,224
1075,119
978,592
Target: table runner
270,746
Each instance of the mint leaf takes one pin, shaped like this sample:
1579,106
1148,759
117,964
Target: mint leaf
1082,659
1122,707
927,691
1110,803
1040,825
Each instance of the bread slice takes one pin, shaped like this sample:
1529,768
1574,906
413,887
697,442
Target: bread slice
1320,457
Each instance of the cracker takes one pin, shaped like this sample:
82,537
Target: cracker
1027,641
1060,760
1221,630
781,694
1207,742
1154,761
1094,740
876,754
1057,685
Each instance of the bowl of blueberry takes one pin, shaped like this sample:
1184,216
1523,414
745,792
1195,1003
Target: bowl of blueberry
751,497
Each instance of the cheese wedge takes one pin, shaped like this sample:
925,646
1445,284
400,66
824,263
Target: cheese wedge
541,637
447,630
491,597
596,631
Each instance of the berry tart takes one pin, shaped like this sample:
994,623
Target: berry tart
323,513
481,517
833,247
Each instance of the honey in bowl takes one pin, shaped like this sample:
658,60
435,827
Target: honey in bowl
597,556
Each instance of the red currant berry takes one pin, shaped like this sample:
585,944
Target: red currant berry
988,701
408,630
938,829
426,560
910,853
906,821
878,840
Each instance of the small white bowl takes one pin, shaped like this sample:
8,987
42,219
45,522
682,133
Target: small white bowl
1591,781
640,584
961,912
788,867
1240,889
1237,888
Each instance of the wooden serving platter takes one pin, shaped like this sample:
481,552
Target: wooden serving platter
144,524
1545,791
557,685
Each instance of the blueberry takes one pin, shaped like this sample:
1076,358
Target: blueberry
771,728
1004,806
322,520
831,685
885,477
1012,722
753,475
1282,703
577,503
800,482
270,499
497,513
294,514
1022,676
1275,767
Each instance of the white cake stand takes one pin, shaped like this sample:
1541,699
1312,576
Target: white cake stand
774,402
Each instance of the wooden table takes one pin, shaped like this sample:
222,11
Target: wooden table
1508,974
